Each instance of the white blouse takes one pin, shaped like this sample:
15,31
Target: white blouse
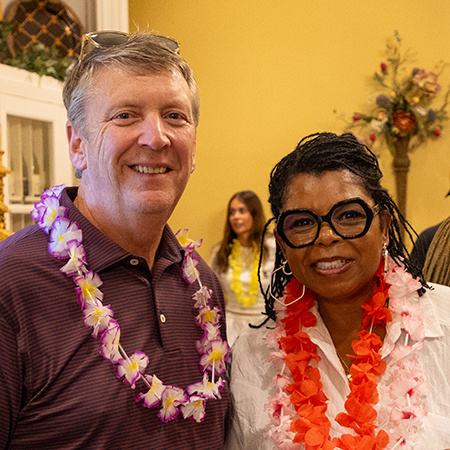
239,316
251,380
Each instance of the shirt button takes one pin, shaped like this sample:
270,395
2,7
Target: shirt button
134,262
163,318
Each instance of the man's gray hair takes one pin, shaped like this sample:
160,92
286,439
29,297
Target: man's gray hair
143,53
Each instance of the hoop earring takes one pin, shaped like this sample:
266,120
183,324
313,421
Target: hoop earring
385,253
293,301
283,267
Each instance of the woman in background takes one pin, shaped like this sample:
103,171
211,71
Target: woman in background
236,259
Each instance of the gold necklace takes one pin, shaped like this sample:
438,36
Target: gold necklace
346,368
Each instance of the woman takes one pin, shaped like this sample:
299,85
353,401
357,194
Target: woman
235,261
358,355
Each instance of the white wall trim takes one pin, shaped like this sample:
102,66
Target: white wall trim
112,15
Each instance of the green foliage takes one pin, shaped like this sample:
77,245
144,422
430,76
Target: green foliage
6,28
40,60
37,58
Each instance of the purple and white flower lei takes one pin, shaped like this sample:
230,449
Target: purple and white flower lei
66,243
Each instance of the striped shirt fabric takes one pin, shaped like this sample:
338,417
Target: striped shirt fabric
56,390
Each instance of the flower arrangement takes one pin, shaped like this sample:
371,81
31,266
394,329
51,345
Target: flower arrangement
404,107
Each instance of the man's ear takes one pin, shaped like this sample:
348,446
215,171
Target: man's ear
193,162
77,147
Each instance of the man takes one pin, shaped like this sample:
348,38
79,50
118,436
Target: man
132,106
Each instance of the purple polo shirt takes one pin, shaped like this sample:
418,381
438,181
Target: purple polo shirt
56,390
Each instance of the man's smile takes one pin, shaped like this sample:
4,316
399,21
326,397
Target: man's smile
148,169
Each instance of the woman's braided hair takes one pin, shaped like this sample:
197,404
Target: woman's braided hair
324,152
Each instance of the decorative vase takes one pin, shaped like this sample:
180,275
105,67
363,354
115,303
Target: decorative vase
401,168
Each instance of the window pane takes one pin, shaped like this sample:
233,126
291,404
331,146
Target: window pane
28,148
19,221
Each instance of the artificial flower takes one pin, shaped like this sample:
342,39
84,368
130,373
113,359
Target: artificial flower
47,210
409,388
280,381
208,315
404,121
77,258
427,82
402,284
216,358
55,190
171,399
409,314
272,339
97,317
202,297
278,358
413,412
349,442
282,435
382,101
185,241
299,342
206,388
87,290
63,232
188,268
195,408
131,368
211,333
110,340
300,316
277,405
191,259
405,352
376,125
376,312
431,115
153,396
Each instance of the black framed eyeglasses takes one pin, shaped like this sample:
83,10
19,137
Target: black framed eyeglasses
105,39
349,219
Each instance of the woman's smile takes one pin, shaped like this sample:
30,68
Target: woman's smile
330,267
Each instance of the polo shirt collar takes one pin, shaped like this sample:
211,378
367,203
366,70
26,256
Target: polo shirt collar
102,252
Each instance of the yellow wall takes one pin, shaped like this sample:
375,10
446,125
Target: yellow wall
273,71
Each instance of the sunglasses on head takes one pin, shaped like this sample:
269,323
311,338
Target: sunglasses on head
105,39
